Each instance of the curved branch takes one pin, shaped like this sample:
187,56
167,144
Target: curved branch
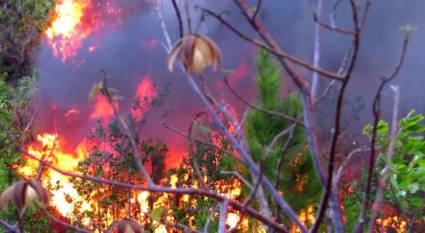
261,109
257,8
179,17
295,60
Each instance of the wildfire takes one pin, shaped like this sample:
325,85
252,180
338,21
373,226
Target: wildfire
50,148
145,92
68,29
394,223
306,216
102,108
74,21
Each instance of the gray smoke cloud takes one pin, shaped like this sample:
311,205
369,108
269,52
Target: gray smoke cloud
133,49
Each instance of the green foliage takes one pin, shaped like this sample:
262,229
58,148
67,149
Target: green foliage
296,176
406,178
13,106
14,118
21,25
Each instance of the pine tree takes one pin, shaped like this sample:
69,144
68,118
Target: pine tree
291,169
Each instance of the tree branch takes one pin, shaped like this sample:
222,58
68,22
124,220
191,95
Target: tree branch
136,153
223,217
382,182
338,225
257,8
9,227
376,114
261,109
179,17
272,50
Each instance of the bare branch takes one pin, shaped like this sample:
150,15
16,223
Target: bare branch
316,53
382,182
239,176
179,17
223,217
257,8
338,225
209,219
333,28
345,163
163,26
281,158
189,19
376,108
272,50
9,227
261,109
276,139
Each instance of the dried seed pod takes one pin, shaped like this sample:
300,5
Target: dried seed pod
36,193
6,196
23,194
125,226
196,52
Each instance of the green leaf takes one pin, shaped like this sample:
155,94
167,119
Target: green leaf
156,214
413,187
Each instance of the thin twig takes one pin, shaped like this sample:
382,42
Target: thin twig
189,19
322,24
281,158
136,153
382,182
257,8
223,217
179,17
329,193
316,53
261,109
9,227
209,219
376,108
239,176
162,23
333,12
278,53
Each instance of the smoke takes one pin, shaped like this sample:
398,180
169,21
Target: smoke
131,50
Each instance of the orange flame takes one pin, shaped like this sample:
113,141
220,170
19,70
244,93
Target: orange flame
50,147
68,29
145,92
102,108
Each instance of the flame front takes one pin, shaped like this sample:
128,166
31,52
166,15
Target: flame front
68,29
50,148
